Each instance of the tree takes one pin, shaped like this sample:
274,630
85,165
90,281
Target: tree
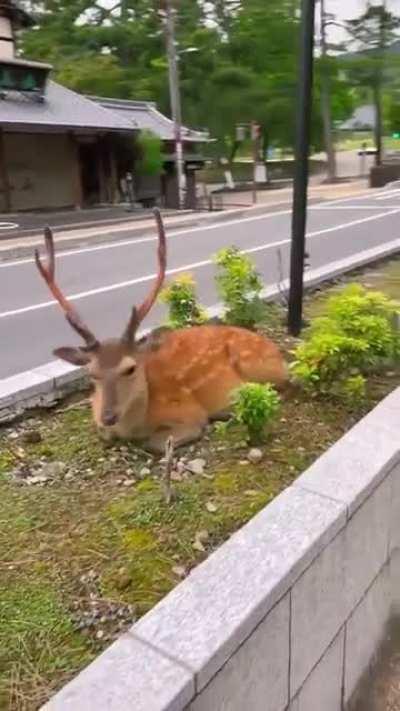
372,34
242,69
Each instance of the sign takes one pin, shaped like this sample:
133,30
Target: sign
240,132
17,77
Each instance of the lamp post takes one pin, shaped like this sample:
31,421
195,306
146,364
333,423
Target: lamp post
299,211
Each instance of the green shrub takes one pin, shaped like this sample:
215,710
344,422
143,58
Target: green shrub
150,153
180,297
354,390
255,406
357,333
239,286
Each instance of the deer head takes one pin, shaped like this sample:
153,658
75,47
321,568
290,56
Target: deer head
115,366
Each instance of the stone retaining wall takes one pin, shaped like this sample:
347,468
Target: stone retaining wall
288,613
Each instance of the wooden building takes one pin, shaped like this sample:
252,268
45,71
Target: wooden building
61,149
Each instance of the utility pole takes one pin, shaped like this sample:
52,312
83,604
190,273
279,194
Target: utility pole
256,149
377,89
326,99
299,211
175,99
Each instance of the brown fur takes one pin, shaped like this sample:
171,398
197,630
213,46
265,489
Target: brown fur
181,381
170,383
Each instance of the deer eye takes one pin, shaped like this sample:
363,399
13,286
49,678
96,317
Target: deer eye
130,370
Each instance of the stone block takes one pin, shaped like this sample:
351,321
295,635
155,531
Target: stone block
350,470
206,618
323,687
128,675
394,542
318,611
394,572
23,386
367,543
366,630
59,372
256,676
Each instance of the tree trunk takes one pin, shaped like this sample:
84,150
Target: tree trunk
378,120
326,103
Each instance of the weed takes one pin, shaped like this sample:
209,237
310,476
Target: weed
239,285
255,406
180,297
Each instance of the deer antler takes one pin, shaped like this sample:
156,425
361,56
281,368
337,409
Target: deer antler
48,274
139,313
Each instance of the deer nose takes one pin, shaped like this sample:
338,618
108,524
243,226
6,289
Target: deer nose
109,419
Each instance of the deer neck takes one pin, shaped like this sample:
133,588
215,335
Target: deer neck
134,421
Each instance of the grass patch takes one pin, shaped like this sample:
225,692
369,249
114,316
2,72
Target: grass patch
97,533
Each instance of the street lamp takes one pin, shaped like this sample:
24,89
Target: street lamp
299,211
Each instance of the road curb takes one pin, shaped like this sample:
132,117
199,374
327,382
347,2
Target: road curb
47,384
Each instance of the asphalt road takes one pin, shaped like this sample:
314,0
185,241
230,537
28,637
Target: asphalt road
105,280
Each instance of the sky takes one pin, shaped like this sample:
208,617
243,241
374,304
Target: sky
347,9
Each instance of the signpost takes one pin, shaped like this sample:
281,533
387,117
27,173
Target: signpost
300,188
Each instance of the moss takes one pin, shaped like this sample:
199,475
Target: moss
37,642
7,461
139,541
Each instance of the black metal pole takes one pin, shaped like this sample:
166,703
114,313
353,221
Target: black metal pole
299,214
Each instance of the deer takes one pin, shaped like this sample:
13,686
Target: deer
171,383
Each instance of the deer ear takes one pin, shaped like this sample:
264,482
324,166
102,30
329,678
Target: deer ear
75,356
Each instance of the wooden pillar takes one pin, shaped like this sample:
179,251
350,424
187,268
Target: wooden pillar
77,177
4,179
101,171
113,175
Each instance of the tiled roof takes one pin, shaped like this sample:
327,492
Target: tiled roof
145,115
62,108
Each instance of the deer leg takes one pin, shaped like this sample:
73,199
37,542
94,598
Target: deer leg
182,434
222,416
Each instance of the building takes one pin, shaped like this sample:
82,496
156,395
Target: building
363,119
59,149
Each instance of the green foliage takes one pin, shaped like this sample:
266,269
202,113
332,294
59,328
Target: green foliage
357,333
180,297
239,286
245,66
150,152
255,406
354,390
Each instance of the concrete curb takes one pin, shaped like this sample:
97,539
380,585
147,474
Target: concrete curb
45,385
288,613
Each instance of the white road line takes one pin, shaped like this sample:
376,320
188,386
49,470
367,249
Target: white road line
179,233
362,196
133,242
388,195
354,207
194,265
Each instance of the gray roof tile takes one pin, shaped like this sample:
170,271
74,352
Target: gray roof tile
145,115
62,108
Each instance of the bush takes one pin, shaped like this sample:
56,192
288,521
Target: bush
255,406
150,153
358,333
239,286
180,297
